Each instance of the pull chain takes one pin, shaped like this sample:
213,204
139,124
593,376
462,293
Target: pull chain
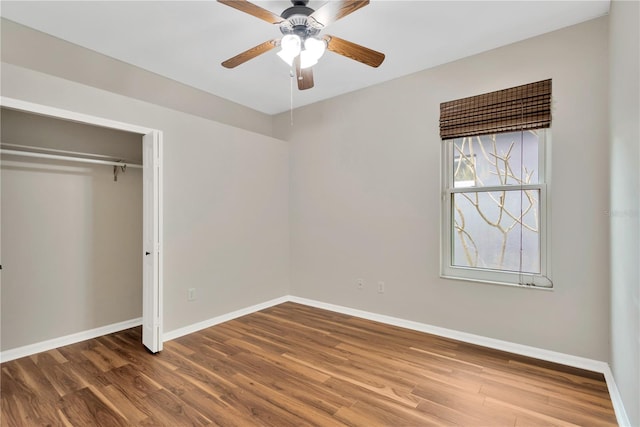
291,95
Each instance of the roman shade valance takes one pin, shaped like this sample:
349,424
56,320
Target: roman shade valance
517,108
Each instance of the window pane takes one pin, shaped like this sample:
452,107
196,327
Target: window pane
491,227
491,160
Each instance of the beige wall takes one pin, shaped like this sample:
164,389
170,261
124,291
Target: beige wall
624,141
226,220
365,197
32,49
71,236
39,131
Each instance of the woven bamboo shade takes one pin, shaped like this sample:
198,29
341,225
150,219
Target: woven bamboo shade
521,107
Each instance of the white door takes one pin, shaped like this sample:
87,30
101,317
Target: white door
152,234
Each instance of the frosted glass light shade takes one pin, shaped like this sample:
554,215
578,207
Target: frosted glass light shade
291,46
286,57
313,50
315,47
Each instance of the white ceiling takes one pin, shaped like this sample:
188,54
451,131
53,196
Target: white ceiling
187,40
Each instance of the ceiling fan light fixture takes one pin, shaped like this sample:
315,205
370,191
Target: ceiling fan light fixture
307,59
291,46
313,50
315,46
286,57
302,43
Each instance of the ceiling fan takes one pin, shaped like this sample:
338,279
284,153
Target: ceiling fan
301,42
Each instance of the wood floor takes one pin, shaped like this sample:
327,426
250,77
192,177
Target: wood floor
293,365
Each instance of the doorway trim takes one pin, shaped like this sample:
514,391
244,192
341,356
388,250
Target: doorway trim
155,217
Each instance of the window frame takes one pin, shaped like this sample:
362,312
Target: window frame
447,235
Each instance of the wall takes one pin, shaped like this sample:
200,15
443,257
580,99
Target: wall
47,132
624,140
365,197
38,51
72,237
226,222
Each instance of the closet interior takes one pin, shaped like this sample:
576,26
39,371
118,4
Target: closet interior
70,227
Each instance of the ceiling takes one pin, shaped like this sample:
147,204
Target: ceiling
187,40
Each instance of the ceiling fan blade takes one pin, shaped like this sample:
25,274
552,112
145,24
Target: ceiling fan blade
304,76
243,57
252,9
333,10
354,51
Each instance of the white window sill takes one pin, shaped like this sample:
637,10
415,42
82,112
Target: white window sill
493,282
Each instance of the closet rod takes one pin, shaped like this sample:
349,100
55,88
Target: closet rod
46,150
69,158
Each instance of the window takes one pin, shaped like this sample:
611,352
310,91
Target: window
495,192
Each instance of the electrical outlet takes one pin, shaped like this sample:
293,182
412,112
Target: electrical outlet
191,294
381,287
360,284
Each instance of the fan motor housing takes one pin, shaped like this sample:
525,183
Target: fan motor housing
296,20
296,10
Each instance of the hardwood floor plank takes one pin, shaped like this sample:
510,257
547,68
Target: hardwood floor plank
261,410
561,405
215,409
130,381
371,409
527,421
308,414
277,376
28,382
63,379
298,372
84,407
457,416
401,395
570,380
364,415
211,382
539,403
293,365
519,412
132,408
100,360
79,363
169,410
308,389
17,411
591,414
545,387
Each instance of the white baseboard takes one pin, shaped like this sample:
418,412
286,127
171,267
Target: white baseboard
523,350
176,333
616,399
28,350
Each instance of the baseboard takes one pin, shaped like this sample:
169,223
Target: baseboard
176,333
28,350
616,399
523,350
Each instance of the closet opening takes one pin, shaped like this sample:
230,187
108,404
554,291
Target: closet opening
80,228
